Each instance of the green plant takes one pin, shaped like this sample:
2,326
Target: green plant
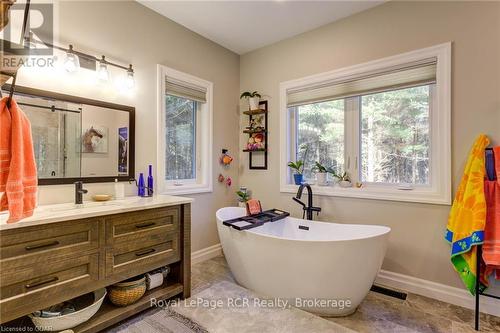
243,196
343,177
248,94
297,166
320,167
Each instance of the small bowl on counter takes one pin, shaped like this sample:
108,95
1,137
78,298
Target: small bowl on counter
102,197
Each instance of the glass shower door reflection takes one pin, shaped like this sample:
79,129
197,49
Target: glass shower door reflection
56,128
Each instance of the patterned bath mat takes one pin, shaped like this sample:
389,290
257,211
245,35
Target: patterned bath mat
221,317
162,321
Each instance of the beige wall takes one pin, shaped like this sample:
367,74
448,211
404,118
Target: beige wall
416,246
127,32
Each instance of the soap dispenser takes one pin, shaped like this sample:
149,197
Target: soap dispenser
119,190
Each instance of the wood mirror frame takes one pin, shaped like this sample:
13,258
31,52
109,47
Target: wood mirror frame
81,100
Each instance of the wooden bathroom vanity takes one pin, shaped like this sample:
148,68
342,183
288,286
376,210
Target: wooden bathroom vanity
59,254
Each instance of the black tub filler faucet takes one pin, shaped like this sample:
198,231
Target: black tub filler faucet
309,209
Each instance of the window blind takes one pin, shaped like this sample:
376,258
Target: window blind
407,75
185,90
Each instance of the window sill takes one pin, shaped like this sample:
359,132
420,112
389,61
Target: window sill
429,196
187,189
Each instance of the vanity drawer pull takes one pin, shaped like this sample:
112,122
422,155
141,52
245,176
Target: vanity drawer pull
41,282
145,225
39,246
143,253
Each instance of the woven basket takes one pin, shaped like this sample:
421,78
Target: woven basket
127,292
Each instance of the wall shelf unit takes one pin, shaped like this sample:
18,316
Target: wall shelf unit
257,131
256,112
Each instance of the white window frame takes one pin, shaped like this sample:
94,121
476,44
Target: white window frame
439,190
204,137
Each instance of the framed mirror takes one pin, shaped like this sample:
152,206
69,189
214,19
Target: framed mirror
76,138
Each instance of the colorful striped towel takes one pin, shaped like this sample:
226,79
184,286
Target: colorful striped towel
467,217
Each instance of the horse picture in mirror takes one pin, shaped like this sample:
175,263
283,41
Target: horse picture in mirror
95,140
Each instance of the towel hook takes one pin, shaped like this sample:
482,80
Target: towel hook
23,35
14,77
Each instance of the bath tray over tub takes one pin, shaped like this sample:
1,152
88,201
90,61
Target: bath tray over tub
256,220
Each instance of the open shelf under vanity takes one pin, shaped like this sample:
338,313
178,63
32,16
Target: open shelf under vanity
110,314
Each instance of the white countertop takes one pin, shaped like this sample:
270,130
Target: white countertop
69,211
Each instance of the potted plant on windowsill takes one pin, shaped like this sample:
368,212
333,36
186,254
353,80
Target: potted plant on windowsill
253,99
298,168
321,174
343,179
243,197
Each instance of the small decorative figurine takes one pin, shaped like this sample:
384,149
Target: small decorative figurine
225,159
256,123
228,181
256,141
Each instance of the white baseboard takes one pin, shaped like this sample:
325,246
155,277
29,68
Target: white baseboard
441,292
206,253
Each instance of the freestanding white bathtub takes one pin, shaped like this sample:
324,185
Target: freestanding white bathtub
327,270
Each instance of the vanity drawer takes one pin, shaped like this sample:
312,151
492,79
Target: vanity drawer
32,286
142,254
43,243
126,227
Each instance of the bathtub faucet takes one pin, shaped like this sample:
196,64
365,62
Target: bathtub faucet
309,208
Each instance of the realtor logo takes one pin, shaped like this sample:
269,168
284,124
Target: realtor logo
40,30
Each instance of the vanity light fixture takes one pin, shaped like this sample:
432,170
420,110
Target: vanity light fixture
88,61
102,70
129,80
72,62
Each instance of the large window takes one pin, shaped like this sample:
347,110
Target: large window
185,132
385,123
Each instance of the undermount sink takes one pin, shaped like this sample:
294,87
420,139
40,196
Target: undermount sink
85,205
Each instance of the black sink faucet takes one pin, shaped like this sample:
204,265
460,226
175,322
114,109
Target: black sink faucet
79,192
309,208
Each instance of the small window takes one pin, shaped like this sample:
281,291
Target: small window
180,128
185,133
386,123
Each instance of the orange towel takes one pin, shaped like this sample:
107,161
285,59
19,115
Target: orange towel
491,247
253,207
18,177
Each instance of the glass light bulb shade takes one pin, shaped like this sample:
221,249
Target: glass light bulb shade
72,62
129,80
102,72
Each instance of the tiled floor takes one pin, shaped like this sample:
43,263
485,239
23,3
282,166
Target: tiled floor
377,313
